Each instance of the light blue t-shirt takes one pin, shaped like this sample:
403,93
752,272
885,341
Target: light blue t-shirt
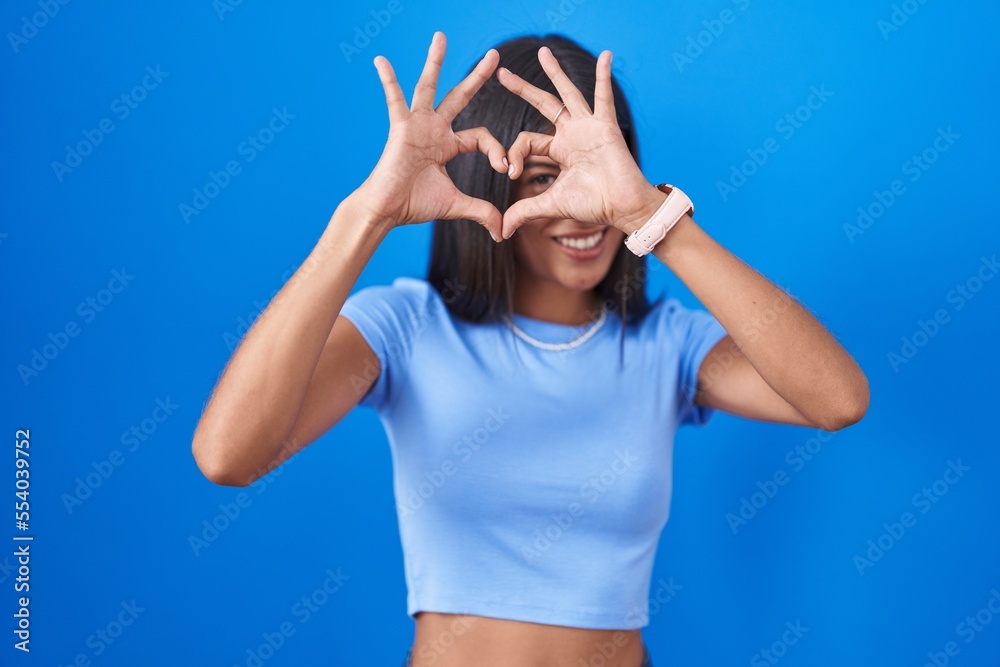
530,484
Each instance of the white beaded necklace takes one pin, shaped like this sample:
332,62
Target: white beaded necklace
558,347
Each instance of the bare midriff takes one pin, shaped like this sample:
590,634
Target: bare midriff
458,640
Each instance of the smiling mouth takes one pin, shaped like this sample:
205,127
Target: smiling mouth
581,242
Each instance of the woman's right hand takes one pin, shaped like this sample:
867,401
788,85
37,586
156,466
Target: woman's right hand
409,184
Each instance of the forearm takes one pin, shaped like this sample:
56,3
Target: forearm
790,349
258,396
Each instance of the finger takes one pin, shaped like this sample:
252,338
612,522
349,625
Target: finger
479,139
459,96
604,97
546,103
528,209
426,88
394,98
464,207
576,103
526,143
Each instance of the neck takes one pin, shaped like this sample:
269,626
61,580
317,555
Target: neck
552,302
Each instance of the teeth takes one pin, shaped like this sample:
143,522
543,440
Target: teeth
585,243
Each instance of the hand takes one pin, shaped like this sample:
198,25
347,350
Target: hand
599,181
409,184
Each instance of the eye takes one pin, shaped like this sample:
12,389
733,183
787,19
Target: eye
536,181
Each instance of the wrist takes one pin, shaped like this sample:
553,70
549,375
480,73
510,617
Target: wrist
649,232
360,209
647,203
353,231
678,240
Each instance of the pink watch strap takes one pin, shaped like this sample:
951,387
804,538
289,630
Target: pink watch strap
642,240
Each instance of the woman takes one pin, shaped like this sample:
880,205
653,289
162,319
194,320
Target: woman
529,391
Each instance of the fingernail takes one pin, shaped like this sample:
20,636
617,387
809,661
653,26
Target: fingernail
492,235
505,163
510,171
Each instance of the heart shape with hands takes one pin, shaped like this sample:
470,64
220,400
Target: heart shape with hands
599,181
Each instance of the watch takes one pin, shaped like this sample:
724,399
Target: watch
676,205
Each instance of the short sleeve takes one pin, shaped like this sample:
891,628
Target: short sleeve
696,331
388,318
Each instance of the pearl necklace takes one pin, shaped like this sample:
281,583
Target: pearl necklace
557,347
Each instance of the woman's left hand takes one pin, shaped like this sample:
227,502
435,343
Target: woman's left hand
599,181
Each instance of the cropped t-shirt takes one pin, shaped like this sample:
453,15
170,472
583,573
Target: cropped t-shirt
530,484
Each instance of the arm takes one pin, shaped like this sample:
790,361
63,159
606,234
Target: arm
778,363
295,373
263,388
792,370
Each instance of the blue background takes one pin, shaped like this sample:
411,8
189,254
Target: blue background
168,333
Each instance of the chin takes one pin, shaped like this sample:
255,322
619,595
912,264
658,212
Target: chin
581,281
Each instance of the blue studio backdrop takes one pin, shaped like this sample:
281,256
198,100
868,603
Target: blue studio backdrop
168,166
